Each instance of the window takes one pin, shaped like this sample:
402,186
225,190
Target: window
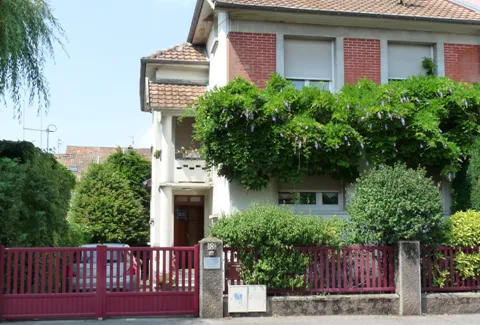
303,198
312,200
309,62
405,60
73,169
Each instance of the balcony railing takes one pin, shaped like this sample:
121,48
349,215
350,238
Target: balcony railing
191,171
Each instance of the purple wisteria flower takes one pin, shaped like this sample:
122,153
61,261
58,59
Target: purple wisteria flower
379,115
403,121
304,139
362,145
287,105
281,134
299,145
336,146
348,143
345,138
440,130
252,128
390,117
274,118
386,127
316,145
383,103
223,111
348,106
421,146
450,90
226,125
366,163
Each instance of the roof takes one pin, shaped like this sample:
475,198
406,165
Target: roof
411,8
78,159
182,52
165,95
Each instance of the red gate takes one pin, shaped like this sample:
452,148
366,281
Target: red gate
98,282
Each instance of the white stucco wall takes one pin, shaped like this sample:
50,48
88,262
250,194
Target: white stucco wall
242,199
178,72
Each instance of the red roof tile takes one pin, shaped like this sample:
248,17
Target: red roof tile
162,95
182,52
411,8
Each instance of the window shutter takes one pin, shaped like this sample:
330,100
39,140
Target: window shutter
308,59
405,60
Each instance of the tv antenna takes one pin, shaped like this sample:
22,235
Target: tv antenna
50,129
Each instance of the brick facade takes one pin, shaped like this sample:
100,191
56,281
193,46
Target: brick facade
252,56
361,59
462,62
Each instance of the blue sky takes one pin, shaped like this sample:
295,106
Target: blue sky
94,89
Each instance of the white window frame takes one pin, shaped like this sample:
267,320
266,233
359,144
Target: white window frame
319,206
311,80
432,56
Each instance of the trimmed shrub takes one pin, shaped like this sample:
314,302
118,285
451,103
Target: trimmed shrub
395,203
473,176
464,229
268,236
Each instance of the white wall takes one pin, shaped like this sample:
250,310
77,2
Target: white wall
178,72
242,199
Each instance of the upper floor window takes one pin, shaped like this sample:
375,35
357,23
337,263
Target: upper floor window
405,60
309,62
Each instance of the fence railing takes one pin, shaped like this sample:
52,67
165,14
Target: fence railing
353,269
439,270
73,269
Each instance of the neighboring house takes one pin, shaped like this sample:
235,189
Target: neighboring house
333,41
77,159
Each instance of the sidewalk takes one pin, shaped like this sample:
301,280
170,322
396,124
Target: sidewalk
323,320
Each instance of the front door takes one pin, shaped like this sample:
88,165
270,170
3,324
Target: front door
189,220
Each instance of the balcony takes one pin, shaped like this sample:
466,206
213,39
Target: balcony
191,171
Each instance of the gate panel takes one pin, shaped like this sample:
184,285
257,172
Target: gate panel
40,283
98,282
151,281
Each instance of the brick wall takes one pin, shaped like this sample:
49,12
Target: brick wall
252,56
462,62
361,59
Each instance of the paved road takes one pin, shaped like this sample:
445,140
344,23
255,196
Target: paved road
323,320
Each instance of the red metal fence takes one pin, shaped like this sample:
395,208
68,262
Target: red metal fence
439,272
353,269
98,282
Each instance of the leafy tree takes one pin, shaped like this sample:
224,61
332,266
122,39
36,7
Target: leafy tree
35,195
473,177
395,203
28,32
110,202
253,135
135,169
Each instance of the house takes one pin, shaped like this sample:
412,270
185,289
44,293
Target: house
78,158
332,41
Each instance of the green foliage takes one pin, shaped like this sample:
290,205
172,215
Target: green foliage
468,265
473,176
35,195
111,202
28,32
254,135
157,154
267,237
395,203
429,65
464,229
462,189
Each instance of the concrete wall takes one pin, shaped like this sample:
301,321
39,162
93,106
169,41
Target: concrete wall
451,303
374,304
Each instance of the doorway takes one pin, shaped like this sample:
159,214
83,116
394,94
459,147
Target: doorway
189,220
